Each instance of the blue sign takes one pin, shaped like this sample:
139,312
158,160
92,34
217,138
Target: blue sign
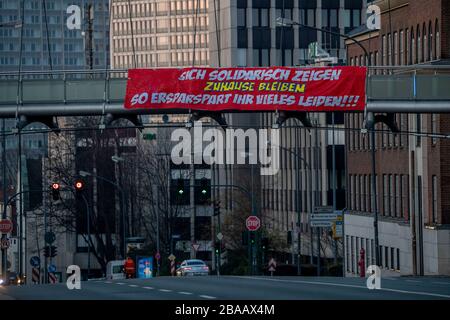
145,267
35,261
51,268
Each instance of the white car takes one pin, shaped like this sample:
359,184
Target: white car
193,267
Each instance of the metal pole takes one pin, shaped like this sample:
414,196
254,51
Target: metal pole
20,204
219,258
333,150
5,196
123,209
374,197
299,216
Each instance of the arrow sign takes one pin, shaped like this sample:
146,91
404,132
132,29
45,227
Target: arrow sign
35,261
171,257
195,246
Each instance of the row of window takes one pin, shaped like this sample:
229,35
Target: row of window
358,141
162,59
185,41
410,46
161,25
389,256
121,10
394,192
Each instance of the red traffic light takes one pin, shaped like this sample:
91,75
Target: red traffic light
79,185
55,186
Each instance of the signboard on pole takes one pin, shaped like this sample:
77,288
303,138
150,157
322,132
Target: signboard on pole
6,226
195,246
253,223
323,217
272,266
248,89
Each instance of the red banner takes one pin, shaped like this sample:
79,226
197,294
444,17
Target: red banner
248,89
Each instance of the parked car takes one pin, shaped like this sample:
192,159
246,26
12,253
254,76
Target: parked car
193,267
12,279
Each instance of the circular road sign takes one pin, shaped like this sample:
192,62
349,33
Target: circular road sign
253,223
157,256
35,261
6,226
50,237
51,268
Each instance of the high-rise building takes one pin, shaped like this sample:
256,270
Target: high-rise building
411,169
47,37
159,33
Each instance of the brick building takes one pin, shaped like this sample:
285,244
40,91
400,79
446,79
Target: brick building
412,171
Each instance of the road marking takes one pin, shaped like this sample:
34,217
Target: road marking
350,286
165,290
132,285
415,281
148,288
391,279
108,281
184,292
120,283
206,297
441,282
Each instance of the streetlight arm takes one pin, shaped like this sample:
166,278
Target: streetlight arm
284,22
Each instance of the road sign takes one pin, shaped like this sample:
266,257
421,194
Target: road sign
272,265
6,226
157,256
5,243
338,230
35,275
322,217
51,268
253,223
35,261
50,237
171,257
220,236
195,246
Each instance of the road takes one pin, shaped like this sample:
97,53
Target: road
238,288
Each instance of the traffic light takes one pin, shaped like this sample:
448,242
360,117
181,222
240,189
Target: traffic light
180,187
203,191
245,238
265,243
252,238
47,251
53,251
55,191
289,238
180,192
217,208
217,246
79,185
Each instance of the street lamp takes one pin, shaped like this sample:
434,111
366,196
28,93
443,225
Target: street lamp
86,174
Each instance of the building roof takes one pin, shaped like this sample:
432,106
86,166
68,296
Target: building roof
362,29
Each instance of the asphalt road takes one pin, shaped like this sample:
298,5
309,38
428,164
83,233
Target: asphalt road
238,288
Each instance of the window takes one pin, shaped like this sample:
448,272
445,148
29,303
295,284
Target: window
392,258
353,253
437,42
398,198
398,259
385,195
434,191
402,48
241,17
391,195
434,128
395,48
418,129
386,257
347,250
430,42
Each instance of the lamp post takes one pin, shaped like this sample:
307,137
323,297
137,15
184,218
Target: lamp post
299,157
371,123
86,174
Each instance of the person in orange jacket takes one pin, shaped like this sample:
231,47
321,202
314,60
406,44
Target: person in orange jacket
129,268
